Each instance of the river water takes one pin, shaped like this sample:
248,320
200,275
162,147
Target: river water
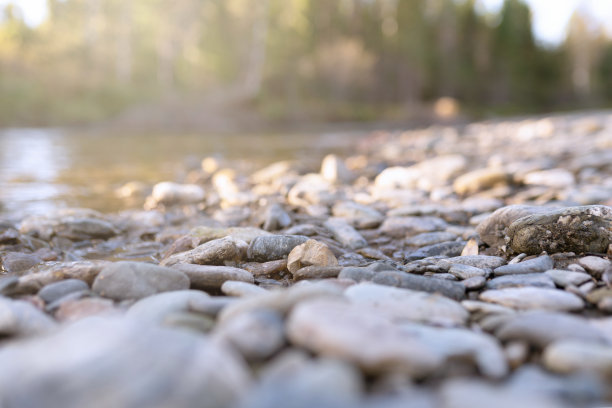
44,169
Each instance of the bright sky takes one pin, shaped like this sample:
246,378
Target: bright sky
550,17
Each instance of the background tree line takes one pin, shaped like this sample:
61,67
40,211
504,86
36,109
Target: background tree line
293,59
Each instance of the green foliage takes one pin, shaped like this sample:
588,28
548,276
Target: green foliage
290,59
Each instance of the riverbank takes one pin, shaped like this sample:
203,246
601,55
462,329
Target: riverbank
439,267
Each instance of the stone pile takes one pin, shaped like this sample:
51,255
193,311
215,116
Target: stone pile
444,267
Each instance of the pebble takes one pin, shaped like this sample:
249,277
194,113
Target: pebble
453,248
466,271
477,261
400,227
310,253
595,265
77,309
358,215
212,277
111,354
344,233
334,170
19,263
155,309
169,193
265,268
240,288
20,318
539,264
564,278
571,229
273,247
134,280
534,298
430,238
453,290
569,356
474,283
276,218
481,179
216,252
56,290
317,272
539,280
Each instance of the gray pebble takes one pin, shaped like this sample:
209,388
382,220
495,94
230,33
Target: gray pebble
56,290
539,280
539,264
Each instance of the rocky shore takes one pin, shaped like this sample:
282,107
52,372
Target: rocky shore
443,267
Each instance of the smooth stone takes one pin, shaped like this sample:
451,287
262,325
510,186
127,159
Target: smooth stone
539,280
56,290
112,353
309,253
317,272
155,308
20,318
569,356
466,271
273,247
595,265
407,305
265,268
211,277
478,261
19,263
357,215
86,271
311,189
484,308
216,252
424,175
344,233
134,280
474,283
595,296
334,170
276,218
539,264
430,238
77,309
256,335
70,223
363,273
8,285
400,227
555,178
564,278
169,193
481,179
493,229
246,234
452,249
239,288
572,229
453,290
542,328
534,298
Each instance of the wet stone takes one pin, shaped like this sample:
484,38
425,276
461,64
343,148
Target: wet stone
273,247
539,264
539,280
572,229
134,280
56,290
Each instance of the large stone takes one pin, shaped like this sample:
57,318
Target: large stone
220,251
534,298
572,229
493,229
107,363
273,247
309,253
135,280
212,277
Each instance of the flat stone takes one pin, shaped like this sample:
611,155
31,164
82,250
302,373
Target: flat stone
317,272
540,328
20,318
155,308
595,265
474,283
539,264
56,290
256,335
569,356
82,270
273,247
555,178
134,280
400,227
452,248
466,271
539,280
363,273
478,261
408,305
211,277
239,288
564,278
216,252
111,354
453,290
430,238
247,234
357,215
572,229
534,298
344,233
19,263
310,253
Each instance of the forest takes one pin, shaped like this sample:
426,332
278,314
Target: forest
293,60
